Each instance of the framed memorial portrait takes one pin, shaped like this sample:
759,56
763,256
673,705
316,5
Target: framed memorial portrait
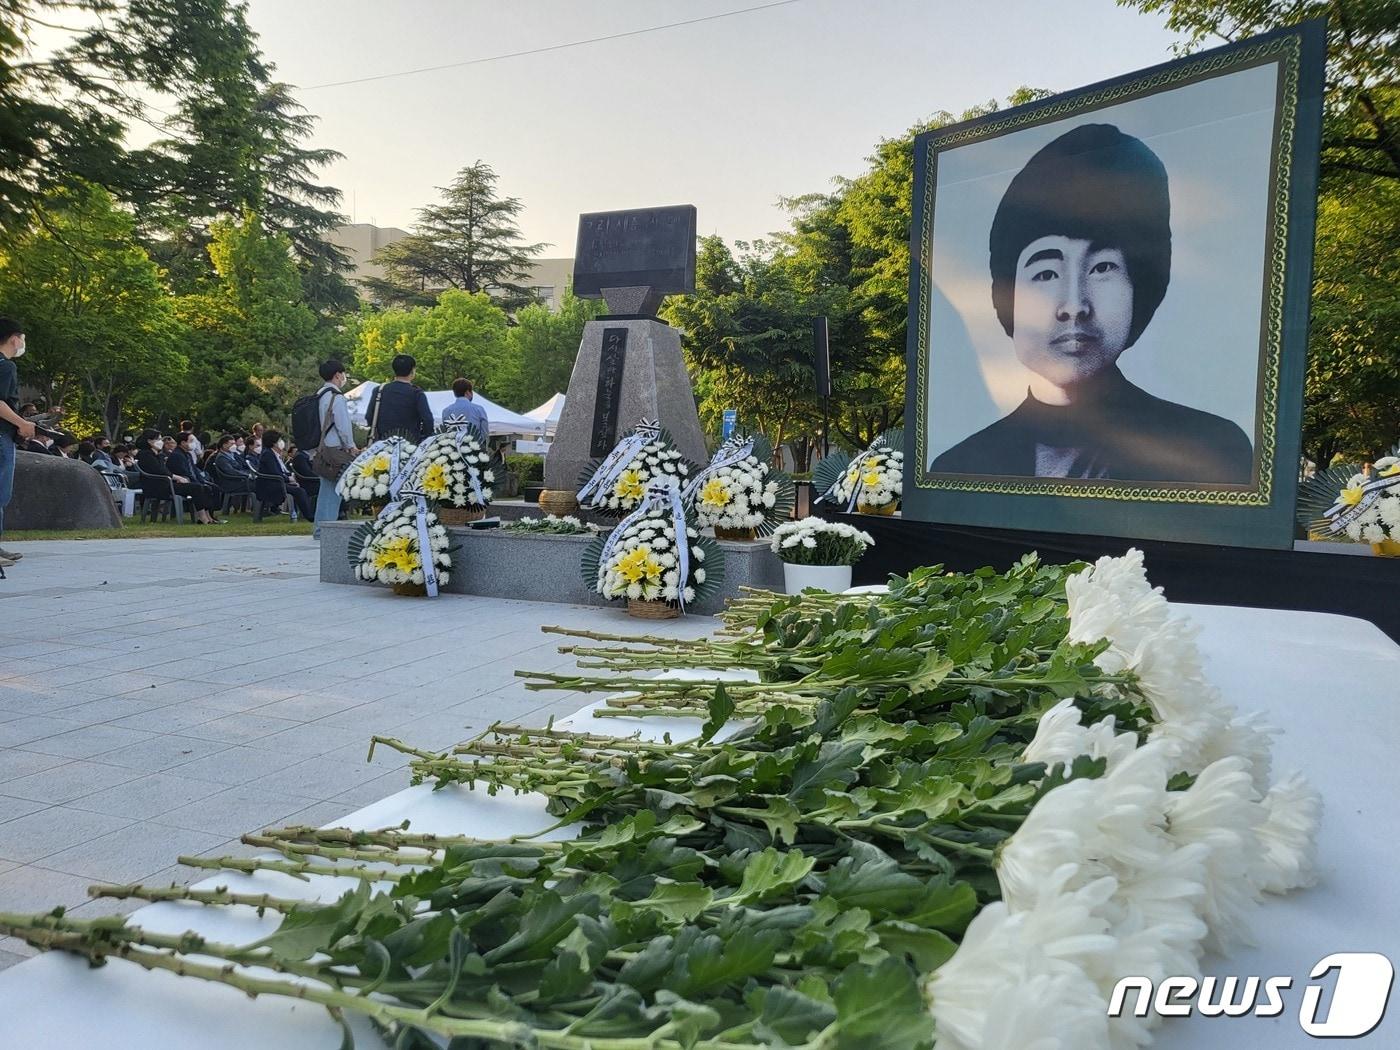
1109,302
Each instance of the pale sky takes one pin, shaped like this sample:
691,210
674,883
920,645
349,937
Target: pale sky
728,115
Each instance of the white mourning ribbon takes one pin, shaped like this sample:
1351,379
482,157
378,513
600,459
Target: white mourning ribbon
661,493
730,453
1340,514
425,546
605,477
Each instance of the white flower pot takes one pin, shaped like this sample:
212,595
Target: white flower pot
834,578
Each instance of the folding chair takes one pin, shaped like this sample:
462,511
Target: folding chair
158,499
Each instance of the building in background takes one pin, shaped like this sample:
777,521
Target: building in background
360,240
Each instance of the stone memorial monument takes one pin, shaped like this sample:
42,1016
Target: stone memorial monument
629,364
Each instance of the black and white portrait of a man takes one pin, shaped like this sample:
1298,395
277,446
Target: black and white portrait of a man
1093,295
1080,256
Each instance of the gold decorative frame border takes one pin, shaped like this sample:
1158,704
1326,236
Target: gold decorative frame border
1287,52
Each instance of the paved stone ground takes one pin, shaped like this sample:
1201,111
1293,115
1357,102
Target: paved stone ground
162,697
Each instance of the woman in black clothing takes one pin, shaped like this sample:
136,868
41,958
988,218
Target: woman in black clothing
275,482
150,461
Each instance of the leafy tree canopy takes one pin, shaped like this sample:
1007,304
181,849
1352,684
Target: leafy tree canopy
103,339
463,335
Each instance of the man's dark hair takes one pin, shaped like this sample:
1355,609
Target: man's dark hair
461,387
187,424
226,439
184,436
86,450
403,365
147,436
1092,183
10,327
331,368
29,408
270,438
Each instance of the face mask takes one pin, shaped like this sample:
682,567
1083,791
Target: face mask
281,446
20,351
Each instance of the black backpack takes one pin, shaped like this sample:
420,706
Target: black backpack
306,421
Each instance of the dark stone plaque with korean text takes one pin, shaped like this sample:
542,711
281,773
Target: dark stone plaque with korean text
643,247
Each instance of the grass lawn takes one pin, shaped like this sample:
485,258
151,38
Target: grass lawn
238,525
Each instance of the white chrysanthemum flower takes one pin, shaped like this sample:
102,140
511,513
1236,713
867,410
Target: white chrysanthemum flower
1220,812
1288,835
1003,952
1117,820
1061,738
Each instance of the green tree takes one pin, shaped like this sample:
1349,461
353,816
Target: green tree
470,242
1353,386
748,332
463,335
543,346
102,335
249,319
1350,403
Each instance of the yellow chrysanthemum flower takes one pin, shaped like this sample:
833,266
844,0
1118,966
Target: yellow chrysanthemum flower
378,465
637,565
871,478
1391,471
629,485
1351,497
435,482
397,553
715,494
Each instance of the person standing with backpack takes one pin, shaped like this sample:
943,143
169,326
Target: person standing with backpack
321,425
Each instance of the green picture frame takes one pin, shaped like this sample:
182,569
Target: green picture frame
1258,513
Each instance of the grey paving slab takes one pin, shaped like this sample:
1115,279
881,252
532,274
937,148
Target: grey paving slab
15,763
52,830
89,741
162,752
148,797
131,853
236,810
67,782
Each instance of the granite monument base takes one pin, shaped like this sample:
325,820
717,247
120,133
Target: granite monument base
496,563
52,492
626,371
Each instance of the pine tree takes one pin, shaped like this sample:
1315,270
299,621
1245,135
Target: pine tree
470,242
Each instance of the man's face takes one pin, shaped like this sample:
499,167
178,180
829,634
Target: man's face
13,346
1073,308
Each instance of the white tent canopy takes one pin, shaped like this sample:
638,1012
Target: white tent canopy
503,420
548,413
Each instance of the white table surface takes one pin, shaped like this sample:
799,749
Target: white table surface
1331,683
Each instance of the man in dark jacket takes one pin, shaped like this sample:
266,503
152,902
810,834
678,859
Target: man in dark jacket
275,483
400,409
1080,258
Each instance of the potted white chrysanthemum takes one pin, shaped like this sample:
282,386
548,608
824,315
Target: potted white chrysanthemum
818,554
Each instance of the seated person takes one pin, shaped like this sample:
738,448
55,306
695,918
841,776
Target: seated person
153,465
305,472
228,468
275,482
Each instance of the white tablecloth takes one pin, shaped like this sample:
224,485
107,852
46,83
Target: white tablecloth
1331,683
